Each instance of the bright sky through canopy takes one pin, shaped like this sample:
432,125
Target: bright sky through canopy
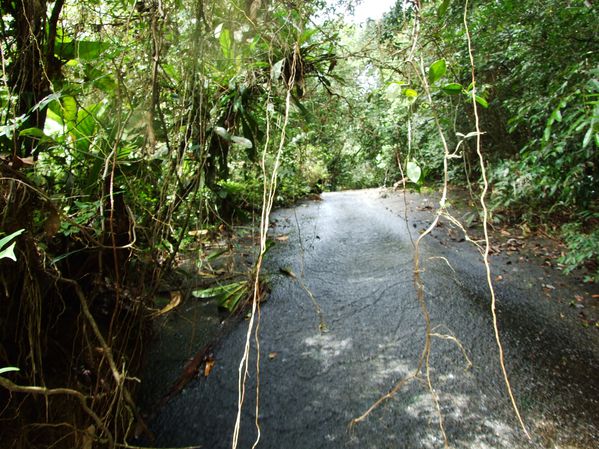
372,9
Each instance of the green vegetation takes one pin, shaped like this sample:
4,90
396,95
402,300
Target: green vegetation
124,125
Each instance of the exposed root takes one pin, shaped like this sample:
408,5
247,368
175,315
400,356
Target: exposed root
43,391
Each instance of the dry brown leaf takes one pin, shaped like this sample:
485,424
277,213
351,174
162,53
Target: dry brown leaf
198,232
208,366
88,437
174,302
282,238
272,355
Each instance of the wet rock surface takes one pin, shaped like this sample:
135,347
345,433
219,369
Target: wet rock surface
353,252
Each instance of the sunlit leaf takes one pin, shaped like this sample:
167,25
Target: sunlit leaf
4,241
222,132
410,93
242,142
437,70
46,101
9,253
413,171
226,43
276,70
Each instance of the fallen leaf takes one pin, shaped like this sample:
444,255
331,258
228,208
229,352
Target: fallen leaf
287,272
499,278
272,355
88,437
174,302
282,238
208,366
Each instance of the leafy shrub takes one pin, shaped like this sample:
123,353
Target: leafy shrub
583,250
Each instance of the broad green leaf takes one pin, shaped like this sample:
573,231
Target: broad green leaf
411,93
32,132
437,70
8,369
69,110
413,171
232,301
218,291
443,8
481,101
452,88
226,43
84,50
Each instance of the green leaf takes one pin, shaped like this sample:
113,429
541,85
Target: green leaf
557,115
8,238
69,110
443,8
32,132
8,369
587,137
84,50
411,93
225,43
46,101
437,70
227,296
413,171
452,88
220,290
481,101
